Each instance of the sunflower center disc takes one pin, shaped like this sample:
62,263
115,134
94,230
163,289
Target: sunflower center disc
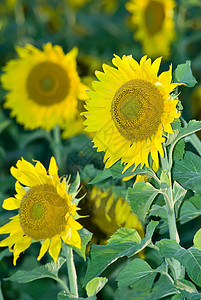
47,83
42,212
154,17
136,110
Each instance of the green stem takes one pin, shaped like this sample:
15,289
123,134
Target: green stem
174,264
71,270
56,145
170,201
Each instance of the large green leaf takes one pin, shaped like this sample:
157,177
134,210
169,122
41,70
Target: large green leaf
187,289
188,172
137,272
49,270
190,209
140,198
123,235
101,256
184,74
191,258
197,239
95,285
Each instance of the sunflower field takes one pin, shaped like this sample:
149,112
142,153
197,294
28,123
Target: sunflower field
100,149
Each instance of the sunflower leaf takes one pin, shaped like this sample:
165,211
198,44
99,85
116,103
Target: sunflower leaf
140,198
183,74
95,285
190,209
197,239
49,270
137,272
123,235
101,256
187,289
189,258
188,172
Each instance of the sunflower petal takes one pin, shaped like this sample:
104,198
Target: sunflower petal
55,247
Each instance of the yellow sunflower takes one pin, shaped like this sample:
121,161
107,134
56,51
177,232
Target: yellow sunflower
153,20
107,214
45,211
129,108
77,4
43,86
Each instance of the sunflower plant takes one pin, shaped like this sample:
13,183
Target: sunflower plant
136,116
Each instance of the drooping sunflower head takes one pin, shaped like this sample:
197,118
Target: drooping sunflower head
45,211
107,213
129,109
43,86
153,20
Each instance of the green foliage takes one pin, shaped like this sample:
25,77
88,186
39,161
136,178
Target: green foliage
184,74
197,239
95,285
140,198
103,255
124,235
49,270
85,239
191,258
188,172
190,209
137,273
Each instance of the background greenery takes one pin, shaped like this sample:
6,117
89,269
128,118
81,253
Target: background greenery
99,29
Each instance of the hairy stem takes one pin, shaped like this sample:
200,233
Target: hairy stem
72,276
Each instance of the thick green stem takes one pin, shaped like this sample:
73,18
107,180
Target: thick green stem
174,265
72,276
56,146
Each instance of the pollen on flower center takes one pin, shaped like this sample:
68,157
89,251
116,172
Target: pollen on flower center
42,212
137,109
154,16
47,83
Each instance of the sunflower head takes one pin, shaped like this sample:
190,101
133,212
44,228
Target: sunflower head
153,21
43,86
107,213
46,211
129,109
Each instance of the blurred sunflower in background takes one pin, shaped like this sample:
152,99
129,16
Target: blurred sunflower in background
46,211
77,4
128,110
107,213
153,21
195,100
43,86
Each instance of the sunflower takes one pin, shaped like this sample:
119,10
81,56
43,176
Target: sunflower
153,20
45,211
107,213
77,4
43,85
129,108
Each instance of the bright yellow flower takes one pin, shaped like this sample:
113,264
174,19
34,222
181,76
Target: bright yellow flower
45,211
153,20
44,86
129,109
107,214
